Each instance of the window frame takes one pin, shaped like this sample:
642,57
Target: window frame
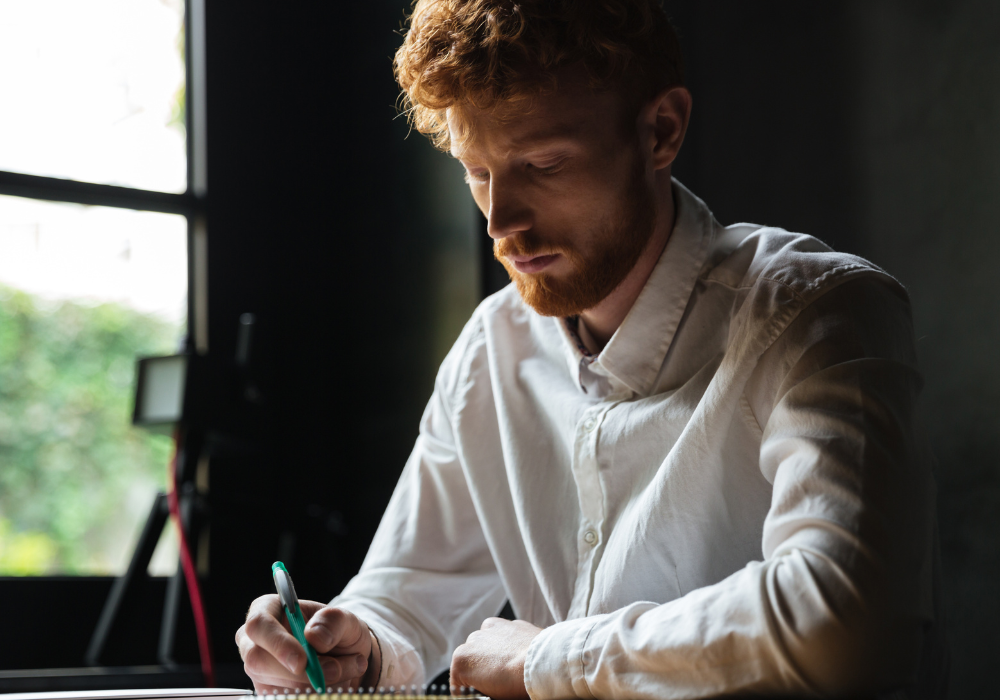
193,205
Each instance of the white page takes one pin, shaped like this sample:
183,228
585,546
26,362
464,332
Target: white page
141,694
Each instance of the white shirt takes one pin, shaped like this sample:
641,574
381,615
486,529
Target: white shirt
730,497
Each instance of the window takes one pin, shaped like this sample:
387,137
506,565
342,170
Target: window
94,91
100,206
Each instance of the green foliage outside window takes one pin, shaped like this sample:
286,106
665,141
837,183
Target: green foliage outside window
71,463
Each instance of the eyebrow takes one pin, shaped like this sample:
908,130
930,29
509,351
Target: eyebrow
555,132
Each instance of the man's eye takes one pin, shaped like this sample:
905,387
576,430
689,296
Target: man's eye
546,169
477,176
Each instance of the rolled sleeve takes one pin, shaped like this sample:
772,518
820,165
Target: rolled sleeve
556,664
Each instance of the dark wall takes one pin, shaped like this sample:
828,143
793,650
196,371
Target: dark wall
34,598
353,246
768,141
875,126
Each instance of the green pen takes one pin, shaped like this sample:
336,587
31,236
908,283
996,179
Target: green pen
290,601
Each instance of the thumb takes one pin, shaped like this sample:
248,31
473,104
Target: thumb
336,630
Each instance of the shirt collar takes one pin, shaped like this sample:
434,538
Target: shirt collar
635,353
578,358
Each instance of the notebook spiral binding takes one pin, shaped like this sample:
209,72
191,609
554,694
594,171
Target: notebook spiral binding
432,692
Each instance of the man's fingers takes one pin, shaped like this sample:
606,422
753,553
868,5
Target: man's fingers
463,666
262,667
310,608
332,629
270,604
458,665
492,659
265,670
343,669
273,658
267,633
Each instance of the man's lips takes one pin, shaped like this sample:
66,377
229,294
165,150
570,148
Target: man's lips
528,264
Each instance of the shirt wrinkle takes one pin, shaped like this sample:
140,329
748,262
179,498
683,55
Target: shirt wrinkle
678,527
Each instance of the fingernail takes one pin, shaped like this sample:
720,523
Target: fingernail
291,661
322,636
362,665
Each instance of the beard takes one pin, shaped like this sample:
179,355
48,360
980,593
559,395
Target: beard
618,241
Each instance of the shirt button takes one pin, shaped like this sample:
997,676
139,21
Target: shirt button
590,537
590,424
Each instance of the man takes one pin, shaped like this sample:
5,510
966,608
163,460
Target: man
684,453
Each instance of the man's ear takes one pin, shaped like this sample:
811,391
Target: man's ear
663,122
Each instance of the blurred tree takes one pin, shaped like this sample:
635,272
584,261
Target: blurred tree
72,467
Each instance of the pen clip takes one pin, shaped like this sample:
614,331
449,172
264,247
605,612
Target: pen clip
286,589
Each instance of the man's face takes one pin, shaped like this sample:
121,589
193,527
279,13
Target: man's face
567,193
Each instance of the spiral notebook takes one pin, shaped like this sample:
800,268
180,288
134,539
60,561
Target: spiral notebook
412,693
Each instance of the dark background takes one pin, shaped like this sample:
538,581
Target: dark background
873,125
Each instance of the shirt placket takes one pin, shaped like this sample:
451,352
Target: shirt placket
591,496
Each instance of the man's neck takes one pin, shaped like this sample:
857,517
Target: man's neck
598,324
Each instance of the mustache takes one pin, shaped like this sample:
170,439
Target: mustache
523,244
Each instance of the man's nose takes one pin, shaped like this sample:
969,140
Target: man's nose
509,213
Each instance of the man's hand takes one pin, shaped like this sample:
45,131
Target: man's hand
275,660
492,659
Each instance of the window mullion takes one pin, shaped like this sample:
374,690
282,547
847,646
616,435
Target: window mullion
59,190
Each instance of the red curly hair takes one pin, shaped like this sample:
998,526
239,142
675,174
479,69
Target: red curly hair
496,54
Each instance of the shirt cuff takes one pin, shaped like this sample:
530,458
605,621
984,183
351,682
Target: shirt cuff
556,663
